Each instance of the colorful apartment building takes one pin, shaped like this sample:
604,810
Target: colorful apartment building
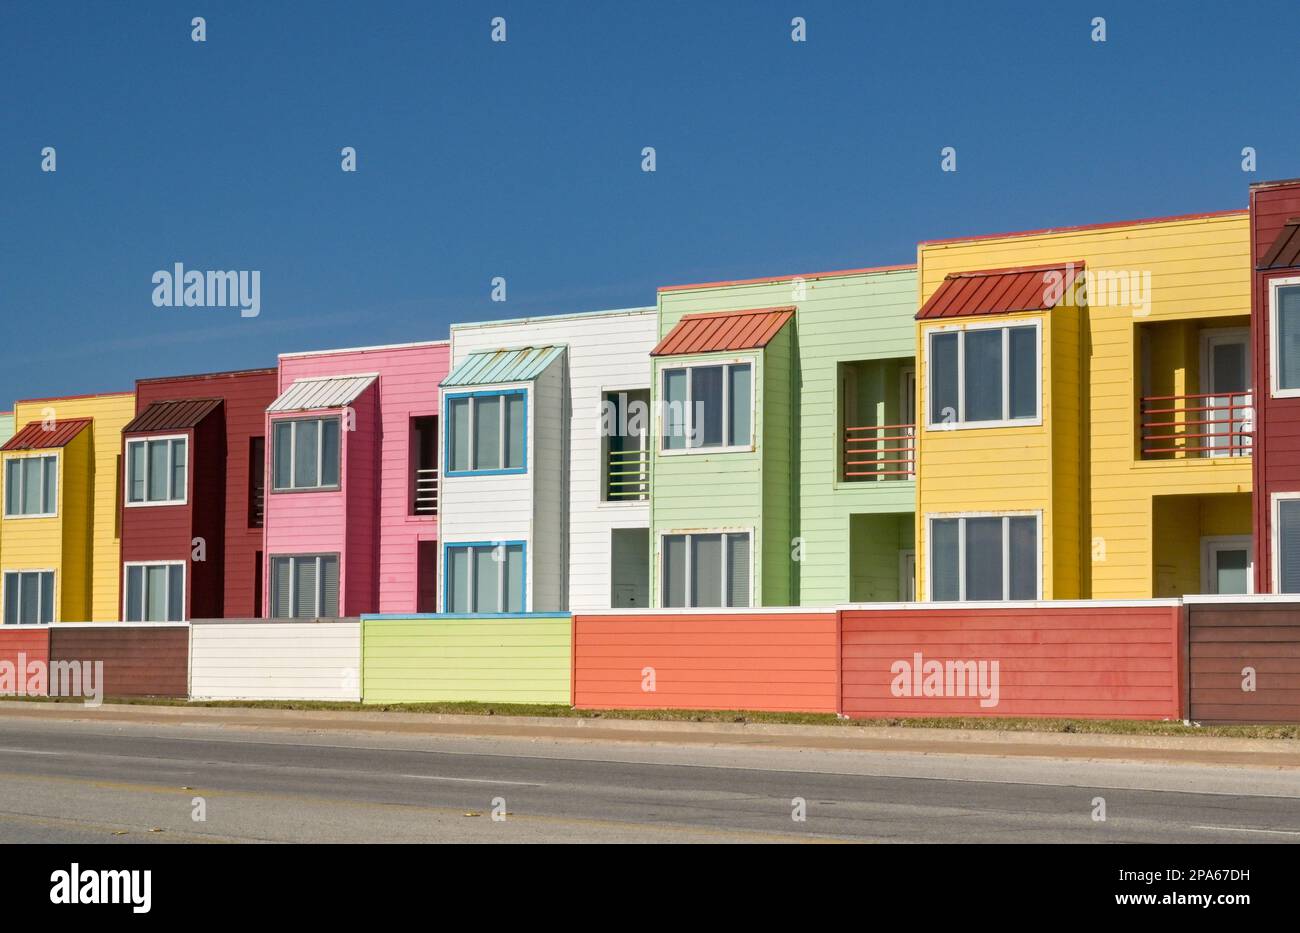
545,491
351,520
195,464
1086,401
783,469
61,521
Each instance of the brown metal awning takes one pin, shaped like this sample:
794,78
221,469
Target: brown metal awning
179,415
1285,251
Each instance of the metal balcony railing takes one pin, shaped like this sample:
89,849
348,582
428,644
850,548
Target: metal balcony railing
256,507
880,452
627,475
426,492
1192,426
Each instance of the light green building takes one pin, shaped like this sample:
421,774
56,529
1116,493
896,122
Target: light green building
781,471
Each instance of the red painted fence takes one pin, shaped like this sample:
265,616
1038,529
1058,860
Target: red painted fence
19,646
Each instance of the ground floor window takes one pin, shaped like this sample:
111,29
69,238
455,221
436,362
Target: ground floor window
485,576
1227,565
706,570
1286,543
154,592
984,557
305,586
28,597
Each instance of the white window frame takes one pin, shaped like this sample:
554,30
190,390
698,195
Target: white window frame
54,588
1211,544
171,471
293,583
689,420
961,424
928,556
1275,539
1274,285
663,602
185,582
320,454
57,457
503,581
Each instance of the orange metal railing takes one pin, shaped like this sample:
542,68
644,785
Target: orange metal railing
1204,425
880,452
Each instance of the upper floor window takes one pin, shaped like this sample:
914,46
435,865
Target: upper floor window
485,577
487,432
156,470
32,486
305,586
28,597
154,592
1284,303
983,376
306,453
706,570
708,407
256,481
984,557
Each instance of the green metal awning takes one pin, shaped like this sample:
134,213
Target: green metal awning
492,367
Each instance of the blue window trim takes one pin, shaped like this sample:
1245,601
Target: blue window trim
523,583
446,433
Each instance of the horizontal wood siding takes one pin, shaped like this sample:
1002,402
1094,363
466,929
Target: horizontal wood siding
20,646
466,659
276,661
1079,662
139,660
782,662
1224,639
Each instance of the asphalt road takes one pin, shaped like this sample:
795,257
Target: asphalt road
80,781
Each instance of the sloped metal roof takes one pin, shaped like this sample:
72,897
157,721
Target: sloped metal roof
320,392
179,415
496,366
35,435
1285,251
723,330
1001,291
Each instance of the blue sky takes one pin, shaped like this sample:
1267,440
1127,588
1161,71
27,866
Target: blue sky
523,159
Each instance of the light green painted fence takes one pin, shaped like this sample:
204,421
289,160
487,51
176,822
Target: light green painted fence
517,658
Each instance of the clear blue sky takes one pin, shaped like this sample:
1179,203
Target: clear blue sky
523,160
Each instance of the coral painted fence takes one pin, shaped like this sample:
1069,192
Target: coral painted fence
1070,659
773,660
20,645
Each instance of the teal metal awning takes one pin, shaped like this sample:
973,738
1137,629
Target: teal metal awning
492,367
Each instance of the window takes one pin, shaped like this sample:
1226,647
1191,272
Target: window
32,486
984,375
154,592
982,557
485,577
256,481
1284,304
306,454
705,570
156,471
1286,543
29,597
487,432
708,407
424,465
305,586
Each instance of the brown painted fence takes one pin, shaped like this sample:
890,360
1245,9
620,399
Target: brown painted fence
20,645
1244,659
140,659
774,660
1078,659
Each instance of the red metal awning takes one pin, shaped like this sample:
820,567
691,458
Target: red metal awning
180,415
38,435
723,330
1001,291
1285,251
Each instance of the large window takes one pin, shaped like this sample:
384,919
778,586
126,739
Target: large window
984,375
705,570
156,471
1285,324
708,407
487,432
154,592
32,486
982,557
305,586
1286,543
28,597
485,577
306,454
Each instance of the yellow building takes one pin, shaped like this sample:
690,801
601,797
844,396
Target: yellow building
61,526
1086,411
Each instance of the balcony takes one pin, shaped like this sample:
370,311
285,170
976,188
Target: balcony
1176,427
879,452
627,475
425,500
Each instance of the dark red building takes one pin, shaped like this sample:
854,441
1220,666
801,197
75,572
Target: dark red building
193,474
1275,337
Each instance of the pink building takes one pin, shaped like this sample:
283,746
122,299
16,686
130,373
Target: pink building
352,477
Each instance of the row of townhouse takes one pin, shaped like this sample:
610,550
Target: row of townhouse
1071,413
